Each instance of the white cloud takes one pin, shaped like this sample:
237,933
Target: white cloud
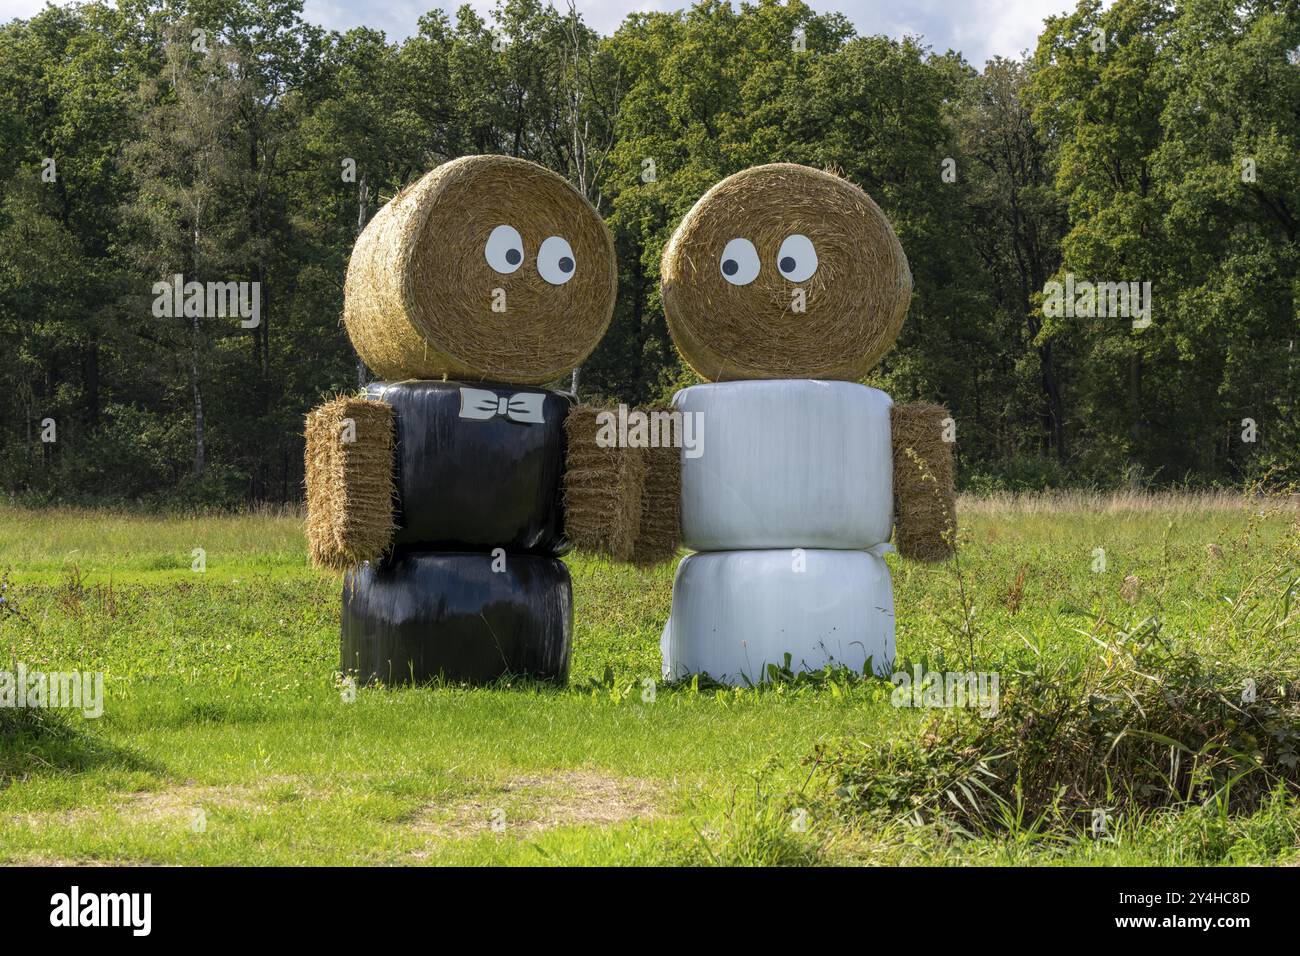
9,9
978,28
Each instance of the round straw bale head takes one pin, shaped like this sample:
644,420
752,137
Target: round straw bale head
488,268
762,245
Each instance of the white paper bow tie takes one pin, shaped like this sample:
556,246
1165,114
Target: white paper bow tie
480,405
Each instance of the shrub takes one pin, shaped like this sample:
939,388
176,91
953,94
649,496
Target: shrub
1017,473
1138,726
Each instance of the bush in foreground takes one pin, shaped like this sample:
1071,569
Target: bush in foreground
1140,725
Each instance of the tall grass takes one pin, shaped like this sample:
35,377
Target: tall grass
1121,502
1135,720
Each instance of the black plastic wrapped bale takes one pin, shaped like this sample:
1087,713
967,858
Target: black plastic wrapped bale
479,466
422,615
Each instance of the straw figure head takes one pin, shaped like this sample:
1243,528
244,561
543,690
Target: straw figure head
783,271
488,268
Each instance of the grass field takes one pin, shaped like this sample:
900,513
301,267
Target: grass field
226,737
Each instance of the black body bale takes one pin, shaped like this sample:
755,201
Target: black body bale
479,466
419,616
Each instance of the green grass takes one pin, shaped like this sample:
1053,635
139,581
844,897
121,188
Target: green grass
222,697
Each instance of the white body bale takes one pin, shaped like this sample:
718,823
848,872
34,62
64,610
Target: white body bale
788,463
735,612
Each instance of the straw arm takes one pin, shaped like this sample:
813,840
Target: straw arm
925,519
350,488
659,534
619,500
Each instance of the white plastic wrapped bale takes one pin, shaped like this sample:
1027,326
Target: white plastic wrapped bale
735,612
788,464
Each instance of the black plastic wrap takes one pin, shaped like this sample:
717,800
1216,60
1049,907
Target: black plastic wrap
471,476
420,615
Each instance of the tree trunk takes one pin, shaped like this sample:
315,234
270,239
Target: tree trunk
199,445
196,337
90,375
1055,406
1135,414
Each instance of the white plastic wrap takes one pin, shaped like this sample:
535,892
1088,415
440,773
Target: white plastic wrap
734,612
788,464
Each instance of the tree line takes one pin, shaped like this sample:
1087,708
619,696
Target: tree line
1151,147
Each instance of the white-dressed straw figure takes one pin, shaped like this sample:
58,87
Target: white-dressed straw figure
783,286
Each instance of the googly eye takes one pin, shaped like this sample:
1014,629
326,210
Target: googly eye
796,259
555,262
739,262
504,250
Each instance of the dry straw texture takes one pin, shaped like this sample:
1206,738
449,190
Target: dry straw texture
603,488
659,535
855,301
418,302
349,484
925,514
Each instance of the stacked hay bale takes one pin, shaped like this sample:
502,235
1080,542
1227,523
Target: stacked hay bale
924,483
621,501
349,482
603,488
421,300
856,299
782,286
659,526
788,511
486,279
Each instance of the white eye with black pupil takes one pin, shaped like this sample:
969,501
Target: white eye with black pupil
504,250
739,262
555,262
797,259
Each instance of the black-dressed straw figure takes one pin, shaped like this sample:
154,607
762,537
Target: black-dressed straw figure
440,491
783,287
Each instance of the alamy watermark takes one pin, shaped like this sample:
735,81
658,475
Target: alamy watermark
75,908
659,428
75,690
976,690
208,300
1085,299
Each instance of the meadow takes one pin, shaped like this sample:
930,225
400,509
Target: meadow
227,736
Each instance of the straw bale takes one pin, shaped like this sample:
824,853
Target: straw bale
659,535
603,488
925,513
419,295
349,484
855,302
